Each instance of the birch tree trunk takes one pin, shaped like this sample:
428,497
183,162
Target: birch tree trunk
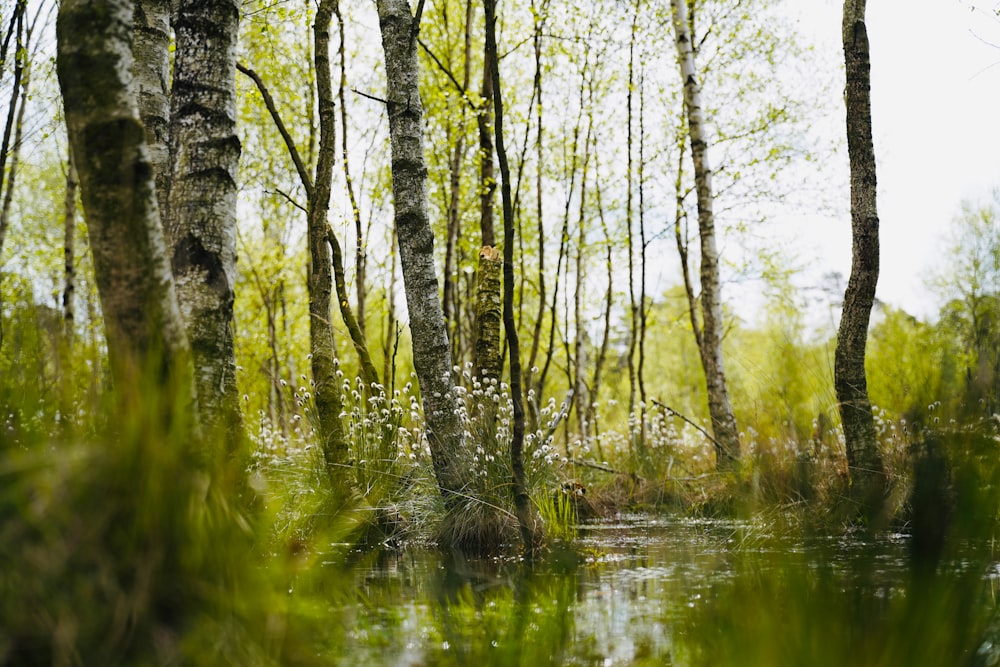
534,394
144,329
151,81
431,350
727,445
867,476
201,226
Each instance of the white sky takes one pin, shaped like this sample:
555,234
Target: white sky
936,123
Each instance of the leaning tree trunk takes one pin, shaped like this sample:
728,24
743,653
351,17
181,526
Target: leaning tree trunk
145,333
201,227
431,350
727,443
867,477
326,385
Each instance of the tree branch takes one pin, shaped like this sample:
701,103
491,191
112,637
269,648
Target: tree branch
370,97
300,166
677,414
447,72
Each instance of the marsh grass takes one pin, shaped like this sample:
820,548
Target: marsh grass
126,540
121,542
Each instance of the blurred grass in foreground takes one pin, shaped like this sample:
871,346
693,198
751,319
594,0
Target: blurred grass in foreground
125,540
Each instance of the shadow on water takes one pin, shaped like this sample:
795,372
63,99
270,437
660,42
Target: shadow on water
660,590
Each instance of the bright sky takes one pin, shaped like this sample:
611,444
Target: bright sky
936,121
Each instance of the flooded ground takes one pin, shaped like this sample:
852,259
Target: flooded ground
665,590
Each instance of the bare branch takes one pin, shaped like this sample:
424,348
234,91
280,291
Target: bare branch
300,166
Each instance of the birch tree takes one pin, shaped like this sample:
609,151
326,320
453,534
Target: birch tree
708,332
201,224
431,349
867,476
144,328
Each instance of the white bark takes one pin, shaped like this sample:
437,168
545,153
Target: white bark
151,81
201,228
719,407
431,350
144,329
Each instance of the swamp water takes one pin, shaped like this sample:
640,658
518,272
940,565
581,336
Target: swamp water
661,590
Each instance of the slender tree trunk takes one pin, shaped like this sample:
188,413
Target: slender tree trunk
867,476
455,164
390,341
360,252
368,373
431,350
633,308
15,161
581,399
67,341
719,408
527,522
16,95
201,226
602,350
69,253
487,177
146,336
533,392
319,194
326,384
640,367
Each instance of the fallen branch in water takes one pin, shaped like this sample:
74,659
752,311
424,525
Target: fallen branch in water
604,468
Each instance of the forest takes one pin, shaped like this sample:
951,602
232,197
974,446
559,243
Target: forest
451,332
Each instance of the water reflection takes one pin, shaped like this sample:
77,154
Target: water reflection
659,590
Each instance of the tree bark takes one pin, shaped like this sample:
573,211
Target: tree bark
602,350
867,476
580,395
487,177
146,337
69,252
360,247
431,350
533,393
720,410
201,226
455,166
489,312
640,367
151,81
527,521
633,308
326,384
16,94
